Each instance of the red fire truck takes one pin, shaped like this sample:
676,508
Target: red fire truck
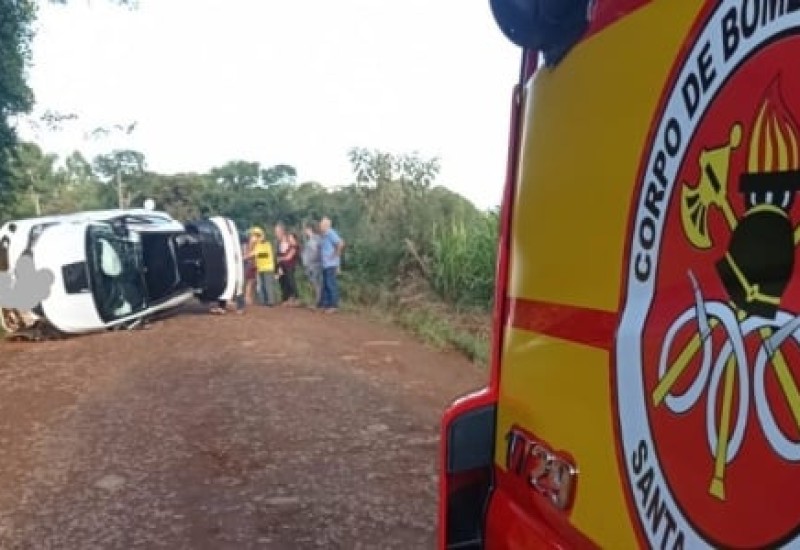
645,378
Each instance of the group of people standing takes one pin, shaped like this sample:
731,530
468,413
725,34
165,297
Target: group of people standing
319,254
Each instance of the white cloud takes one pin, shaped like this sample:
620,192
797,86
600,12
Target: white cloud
276,81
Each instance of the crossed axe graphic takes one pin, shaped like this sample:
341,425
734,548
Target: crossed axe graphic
696,203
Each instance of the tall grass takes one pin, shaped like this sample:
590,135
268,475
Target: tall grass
463,261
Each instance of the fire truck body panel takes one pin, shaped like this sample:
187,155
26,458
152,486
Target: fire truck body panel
643,388
567,250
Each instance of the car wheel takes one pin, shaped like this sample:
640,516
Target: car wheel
12,320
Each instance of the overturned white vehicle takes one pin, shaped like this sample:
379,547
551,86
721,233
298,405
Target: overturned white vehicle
114,269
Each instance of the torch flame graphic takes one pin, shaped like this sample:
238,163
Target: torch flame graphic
775,136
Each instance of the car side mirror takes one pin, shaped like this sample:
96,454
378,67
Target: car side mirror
551,27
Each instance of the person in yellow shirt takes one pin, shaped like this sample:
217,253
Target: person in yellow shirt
261,252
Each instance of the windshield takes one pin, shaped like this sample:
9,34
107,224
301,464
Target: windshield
115,271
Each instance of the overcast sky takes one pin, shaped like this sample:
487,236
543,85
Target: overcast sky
283,81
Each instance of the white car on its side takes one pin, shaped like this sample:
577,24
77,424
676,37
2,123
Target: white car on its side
112,269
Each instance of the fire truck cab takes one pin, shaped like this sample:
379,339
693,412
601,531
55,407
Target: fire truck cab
645,379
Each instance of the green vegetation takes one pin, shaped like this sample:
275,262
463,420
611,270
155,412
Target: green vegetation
16,20
463,260
416,307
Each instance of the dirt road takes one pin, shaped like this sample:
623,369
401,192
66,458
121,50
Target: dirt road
276,429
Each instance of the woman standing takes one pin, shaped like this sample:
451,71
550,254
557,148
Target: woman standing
250,273
287,261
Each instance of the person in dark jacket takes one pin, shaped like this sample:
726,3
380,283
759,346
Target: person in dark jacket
287,262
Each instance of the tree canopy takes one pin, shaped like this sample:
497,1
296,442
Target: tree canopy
16,34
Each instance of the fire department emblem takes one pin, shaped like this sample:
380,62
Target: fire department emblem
707,368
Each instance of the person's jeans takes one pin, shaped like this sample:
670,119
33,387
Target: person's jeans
266,288
330,289
314,275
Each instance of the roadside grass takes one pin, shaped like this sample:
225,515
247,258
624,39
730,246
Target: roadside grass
414,307
445,330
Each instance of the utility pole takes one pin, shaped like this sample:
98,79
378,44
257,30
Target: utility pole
120,194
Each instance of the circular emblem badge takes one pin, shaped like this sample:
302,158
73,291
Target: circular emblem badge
708,349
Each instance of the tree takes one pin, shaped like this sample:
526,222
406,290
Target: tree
78,170
237,174
416,172
371,167
280,174
125,161
309,198
16,33
119,163
33,172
